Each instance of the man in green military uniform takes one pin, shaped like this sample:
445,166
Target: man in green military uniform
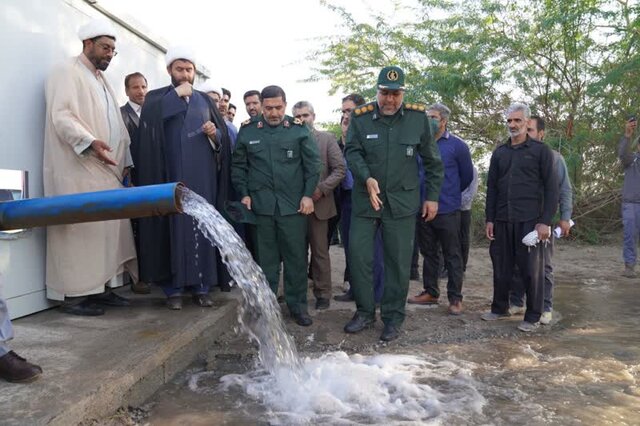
383,141
275,169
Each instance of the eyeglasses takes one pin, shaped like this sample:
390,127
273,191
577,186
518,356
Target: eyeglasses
108,49
305,115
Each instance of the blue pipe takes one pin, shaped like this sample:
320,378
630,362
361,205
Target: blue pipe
124,203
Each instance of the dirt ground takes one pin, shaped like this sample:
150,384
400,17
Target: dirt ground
432,324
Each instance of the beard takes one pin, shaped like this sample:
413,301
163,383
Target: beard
101,64
517,132
177,83
274,121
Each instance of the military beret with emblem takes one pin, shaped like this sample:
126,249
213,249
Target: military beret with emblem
391,78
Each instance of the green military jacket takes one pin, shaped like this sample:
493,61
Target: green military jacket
275,166
386,149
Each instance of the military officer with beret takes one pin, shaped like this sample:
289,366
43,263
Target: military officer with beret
383,141
275,169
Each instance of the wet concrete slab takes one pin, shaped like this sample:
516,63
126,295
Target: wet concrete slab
93,365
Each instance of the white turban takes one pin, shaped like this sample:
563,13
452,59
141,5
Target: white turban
180,52
208,87
96,28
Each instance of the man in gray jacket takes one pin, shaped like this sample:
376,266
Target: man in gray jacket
629,154
332,173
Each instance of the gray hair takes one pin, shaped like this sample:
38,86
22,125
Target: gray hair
302,104
444,110
519,106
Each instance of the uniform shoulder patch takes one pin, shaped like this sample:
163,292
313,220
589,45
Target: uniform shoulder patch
415,107
245,122
298,121
366,108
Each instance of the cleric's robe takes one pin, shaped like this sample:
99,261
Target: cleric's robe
81,107
173,148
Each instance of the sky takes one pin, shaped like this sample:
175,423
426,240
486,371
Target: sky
263,42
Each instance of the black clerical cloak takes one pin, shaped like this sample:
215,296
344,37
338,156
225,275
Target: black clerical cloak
172,148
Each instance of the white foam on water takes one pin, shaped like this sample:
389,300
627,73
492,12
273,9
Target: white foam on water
383,389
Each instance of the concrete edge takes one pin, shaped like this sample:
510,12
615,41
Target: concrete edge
142,378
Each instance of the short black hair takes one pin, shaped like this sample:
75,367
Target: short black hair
273,92
539,122
251,93
232,106
226,92
355,98
128,78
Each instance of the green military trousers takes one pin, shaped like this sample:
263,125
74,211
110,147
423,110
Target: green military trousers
397,240
284,238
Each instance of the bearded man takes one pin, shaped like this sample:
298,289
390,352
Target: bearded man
86,148
182,138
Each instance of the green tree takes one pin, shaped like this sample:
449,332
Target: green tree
574,61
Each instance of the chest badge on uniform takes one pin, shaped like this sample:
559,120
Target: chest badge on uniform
286,123
372,136
260,125
253,142
289,153
409,151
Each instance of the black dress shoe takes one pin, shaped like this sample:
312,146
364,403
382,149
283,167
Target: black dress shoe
346,297
15,369
390,332
302,319
322,303
358,323
85,309
174,303
109,298
203,300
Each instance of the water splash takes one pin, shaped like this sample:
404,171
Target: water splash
384,389
259,314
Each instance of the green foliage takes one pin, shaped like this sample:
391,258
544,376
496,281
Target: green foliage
576,62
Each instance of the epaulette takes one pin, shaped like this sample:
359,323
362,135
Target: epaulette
298,122
415,107
364,109
245,122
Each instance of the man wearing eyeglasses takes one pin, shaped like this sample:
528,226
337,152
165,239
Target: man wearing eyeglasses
331,174
86,148
383,141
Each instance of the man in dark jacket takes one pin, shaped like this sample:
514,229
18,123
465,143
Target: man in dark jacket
522,196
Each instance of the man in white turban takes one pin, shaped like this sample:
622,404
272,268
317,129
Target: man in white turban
86,148
182,138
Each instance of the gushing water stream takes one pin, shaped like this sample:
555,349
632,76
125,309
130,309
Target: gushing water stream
259,314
